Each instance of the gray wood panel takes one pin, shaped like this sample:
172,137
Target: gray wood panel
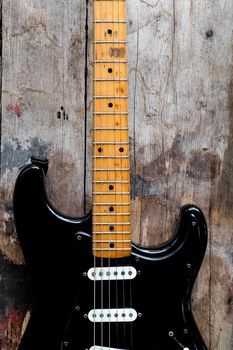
180,103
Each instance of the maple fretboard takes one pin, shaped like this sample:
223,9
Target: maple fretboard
111,173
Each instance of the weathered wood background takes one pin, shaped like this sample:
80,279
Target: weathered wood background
181,133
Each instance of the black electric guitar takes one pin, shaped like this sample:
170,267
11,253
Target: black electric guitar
93,288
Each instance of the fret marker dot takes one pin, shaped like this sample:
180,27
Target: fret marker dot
121,149
111,187
111,228
111,209
109,70
111,245
110,31
110,105
100,150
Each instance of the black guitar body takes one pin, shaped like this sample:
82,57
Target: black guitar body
58,253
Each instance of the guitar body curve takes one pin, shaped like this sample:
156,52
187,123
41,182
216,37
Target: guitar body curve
58,253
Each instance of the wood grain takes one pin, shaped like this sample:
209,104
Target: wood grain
180,113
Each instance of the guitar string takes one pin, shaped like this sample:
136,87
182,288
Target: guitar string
126,104
115,151
99,14
95,146
95,177
130,257
102,172
120,161
108,178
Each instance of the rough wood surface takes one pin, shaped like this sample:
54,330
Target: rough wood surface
181,133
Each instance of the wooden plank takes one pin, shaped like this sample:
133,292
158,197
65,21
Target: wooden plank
179,85
180,104
43,114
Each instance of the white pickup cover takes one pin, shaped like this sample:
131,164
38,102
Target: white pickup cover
112,315
112,273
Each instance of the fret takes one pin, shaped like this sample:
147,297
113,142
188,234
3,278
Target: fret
110,157
108,193
112,169
109,97
111,241
109,42
109,143
111,203
109,61
110,113
109,181
112,223
115,233
110,79
110,128
109,21
110,214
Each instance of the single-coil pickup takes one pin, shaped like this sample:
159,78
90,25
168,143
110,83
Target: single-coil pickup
112,315
103,348
112,273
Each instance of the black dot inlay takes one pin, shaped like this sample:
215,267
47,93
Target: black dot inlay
111,228
111,209
110,105
111,187
121,149
110,31
100,150
111,245
109,70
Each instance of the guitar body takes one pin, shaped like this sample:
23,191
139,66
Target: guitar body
58,253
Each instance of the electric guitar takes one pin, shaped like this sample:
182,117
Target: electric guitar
93,288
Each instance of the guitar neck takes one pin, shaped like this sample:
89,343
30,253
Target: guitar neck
111,168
